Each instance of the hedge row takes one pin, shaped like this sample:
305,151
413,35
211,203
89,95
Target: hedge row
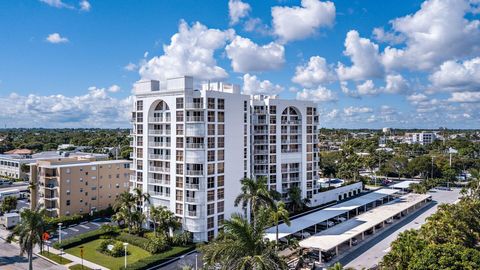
52,223
154,245
157,259
85,237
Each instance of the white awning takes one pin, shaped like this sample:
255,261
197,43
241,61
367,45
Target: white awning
303,222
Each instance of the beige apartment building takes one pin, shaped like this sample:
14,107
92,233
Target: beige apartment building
68,186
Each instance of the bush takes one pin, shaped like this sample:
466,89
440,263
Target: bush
83,238
156,259
52,223
153,245
182,239
117,250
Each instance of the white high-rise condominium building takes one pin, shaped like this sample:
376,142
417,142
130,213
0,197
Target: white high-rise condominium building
191,148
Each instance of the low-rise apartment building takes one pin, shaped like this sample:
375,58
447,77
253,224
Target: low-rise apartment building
67,186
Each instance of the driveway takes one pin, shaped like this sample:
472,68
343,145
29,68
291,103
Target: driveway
77,229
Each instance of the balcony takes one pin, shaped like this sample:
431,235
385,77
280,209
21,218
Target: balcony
291,122
194,119
159,132
194,172
51,186
260,141
159,119
159,169
260,171
260,131
132,132
50,198
159,157
192,200
194,146
260,152
159,181
291,170
260,111
194,105
259,121
133,178
261,161
192,186
159,144
290,150
291,141
194,214
159,194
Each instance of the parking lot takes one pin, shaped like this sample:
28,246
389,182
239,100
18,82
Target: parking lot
77,229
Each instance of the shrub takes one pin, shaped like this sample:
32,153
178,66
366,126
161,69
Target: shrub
153,245
116,251
156,259
83,238
182,239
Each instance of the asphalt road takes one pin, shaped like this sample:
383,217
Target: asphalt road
372,252
186,260
10,259
74,230
17,185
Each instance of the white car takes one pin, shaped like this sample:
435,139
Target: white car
327,223
302,235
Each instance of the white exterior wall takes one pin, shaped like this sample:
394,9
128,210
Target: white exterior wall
333,195
11,167
233,153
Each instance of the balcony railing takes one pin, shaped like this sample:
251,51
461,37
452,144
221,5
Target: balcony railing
192,186
194,172
133,178
194,119
260,131
159,144
290,150
291,170
291,141
159,132
159,119
159,181
291,122
159,169
261,161
50,186
260,141
159,194
194,145
261,151
193,105
261,171
259,121
192,199
161,157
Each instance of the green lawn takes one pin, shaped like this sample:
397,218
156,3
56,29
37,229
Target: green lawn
79,267
90,253
54,257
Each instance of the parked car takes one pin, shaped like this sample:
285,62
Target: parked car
301,235
327,223
354,241
5,182
340,219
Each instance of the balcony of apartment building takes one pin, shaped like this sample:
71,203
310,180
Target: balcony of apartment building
192,185
193,211
164,144
291,121
193,172
260,141
49,195
194,118
260,161
195,129
154,168
51,183
259,110
194,200
195,105
160,119
157,181
132,132
292,141
262,131
259,120
159,132
260,171
260,151
159,156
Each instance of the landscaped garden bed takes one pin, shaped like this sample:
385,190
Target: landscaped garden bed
54,257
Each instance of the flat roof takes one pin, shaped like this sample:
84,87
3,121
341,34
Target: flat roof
404,184
90,163
319,216
338,234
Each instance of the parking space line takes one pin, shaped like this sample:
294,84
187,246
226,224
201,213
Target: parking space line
96,224
64,232
83,226
73,229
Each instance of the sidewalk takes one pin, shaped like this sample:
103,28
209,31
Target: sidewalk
74,259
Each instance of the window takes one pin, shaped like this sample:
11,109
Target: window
94,198
211,235
210,209
179,102
245,106
220,194
221,154
220,220
211,103
221,117
211,142
179,129
211,116
220,206
220,168
221,104
94,168
211,182
180,116
67,202
179,209
220,181
211,195
210,222
221,142
68,192
211,155
221,129
211,169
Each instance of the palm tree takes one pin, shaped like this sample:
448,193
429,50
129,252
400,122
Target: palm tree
242,246
339,266
254,195
296,201
165,219
140,197
124,208
279,213
29,232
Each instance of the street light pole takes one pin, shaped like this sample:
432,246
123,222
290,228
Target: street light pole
196,261
60,232
125,245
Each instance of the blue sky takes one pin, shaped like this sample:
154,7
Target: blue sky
366,63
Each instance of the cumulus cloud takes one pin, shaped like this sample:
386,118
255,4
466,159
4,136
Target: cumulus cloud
314,73
352,111
130,66
417,98
256,25
396,84
56,38
247,56
367,88
56,4
93,109
85,5
457,76
364,55
320,94
380,35
439,31
113,88
253,86
295,23
237,10
465,97
190,52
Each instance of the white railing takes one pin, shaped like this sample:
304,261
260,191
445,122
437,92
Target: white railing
194,145
192,186
260,151
194,172
159,144
260,131
163,157
260,141
159,119
159,132
194,119
159,169
193,105
261,171
159,181
192,199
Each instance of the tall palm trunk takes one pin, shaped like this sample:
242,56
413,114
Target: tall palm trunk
276,236
30,259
